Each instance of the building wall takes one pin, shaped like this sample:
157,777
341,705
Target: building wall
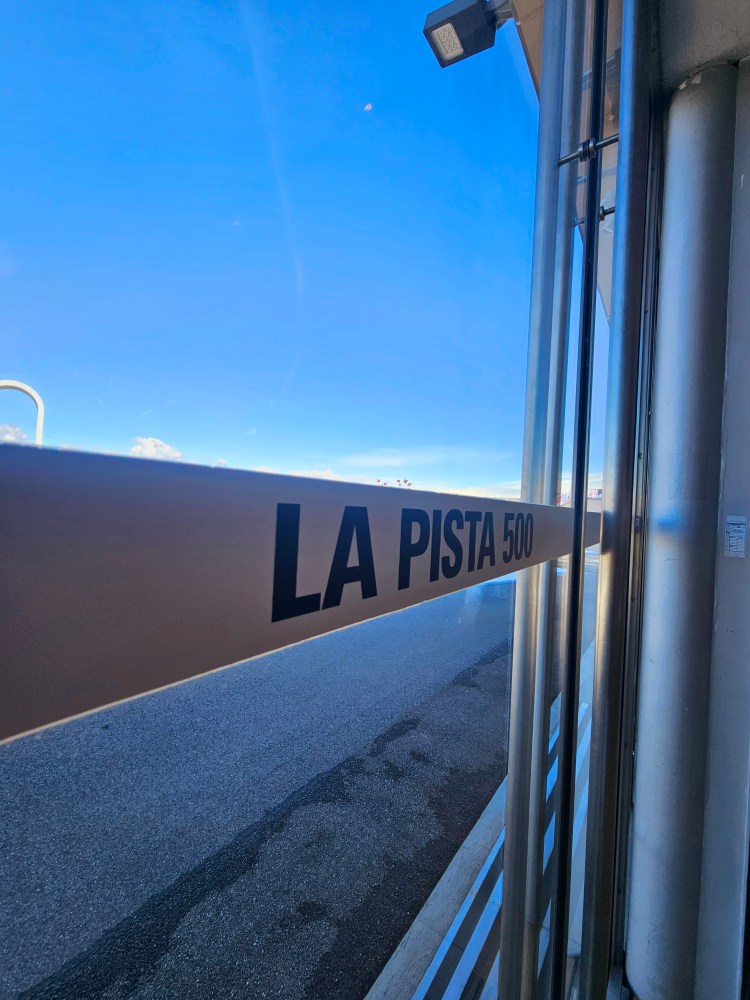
726,831
697,33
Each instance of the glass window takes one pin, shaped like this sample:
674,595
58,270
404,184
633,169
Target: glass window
274,239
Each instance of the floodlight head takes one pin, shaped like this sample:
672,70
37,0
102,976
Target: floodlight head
464,27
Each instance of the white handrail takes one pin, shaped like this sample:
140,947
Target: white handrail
9,383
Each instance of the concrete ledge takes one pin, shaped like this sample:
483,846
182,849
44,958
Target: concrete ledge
407,966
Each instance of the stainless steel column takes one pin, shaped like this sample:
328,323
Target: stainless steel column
570,677
680,557
617,505
550,589
512,928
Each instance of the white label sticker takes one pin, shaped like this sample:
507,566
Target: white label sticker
735,534
447,41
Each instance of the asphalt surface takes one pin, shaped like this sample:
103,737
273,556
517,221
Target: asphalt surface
267,831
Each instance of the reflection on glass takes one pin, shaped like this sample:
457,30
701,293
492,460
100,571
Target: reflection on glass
573,180
276,827
243,237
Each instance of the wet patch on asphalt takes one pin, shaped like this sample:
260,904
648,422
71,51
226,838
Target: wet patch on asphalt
311,900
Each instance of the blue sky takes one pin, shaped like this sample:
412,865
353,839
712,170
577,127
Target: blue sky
267,235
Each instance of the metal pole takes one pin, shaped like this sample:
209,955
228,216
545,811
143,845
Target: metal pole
512,926
550,588
9,383
639,538
685,464
617,500
569,691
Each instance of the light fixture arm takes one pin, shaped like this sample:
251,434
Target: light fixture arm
9,383
502,10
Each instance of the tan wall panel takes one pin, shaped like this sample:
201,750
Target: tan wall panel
121,576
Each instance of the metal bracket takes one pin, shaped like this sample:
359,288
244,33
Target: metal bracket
588,149
603,213
501,10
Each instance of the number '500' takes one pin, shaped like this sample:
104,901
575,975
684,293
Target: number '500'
518,532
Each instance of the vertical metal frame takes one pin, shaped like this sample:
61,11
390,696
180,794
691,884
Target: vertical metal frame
570,678
559,132
638,542
603,863
521,737
617,509
551,589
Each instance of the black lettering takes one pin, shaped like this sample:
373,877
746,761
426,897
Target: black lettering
354,524
508,536
473,517
285,603
452,568
529,535
437,516
487,544
520,536
411,549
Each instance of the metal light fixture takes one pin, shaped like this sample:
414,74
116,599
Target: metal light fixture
11,383
464,27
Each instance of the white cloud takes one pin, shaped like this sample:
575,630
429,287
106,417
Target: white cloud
595,481
492,491
316,474
489,491
151,447
307,473
12,434
381,458
267,468
508,490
